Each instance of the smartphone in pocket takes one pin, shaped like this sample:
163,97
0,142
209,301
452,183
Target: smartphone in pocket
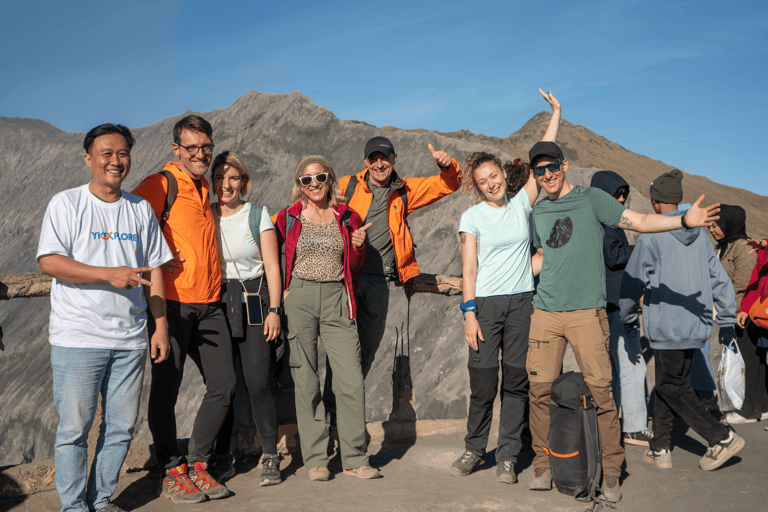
253,308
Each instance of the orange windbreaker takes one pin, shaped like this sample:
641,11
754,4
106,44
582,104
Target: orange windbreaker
420,192
191,230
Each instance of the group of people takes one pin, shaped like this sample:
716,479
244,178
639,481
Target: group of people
163,269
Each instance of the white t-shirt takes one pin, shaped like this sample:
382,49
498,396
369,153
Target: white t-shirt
503,246
82,227
242,246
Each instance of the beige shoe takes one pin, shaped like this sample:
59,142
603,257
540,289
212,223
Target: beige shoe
735,418
319,474
366,472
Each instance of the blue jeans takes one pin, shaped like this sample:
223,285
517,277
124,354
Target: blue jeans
628,374
79,376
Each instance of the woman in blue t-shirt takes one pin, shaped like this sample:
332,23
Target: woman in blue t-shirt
498,291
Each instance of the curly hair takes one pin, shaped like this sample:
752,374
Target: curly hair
518,173
471,164
334,192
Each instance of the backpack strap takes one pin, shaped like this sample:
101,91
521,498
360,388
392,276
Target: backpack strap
170,196
254,221
351,187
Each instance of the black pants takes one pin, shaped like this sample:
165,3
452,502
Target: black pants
504,322
257,360
200,331
674,393
755,374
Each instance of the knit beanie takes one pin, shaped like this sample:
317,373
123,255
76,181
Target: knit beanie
668,187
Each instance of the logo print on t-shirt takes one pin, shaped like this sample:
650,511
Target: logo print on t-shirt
561,233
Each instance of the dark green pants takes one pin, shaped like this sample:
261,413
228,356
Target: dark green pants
320,310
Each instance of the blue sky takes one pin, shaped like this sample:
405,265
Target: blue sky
681,82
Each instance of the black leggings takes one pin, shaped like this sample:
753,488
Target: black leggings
257,360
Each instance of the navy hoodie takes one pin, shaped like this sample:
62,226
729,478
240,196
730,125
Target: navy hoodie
616,248
680,276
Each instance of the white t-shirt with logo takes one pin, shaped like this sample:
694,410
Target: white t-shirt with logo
242,247
503,246
82,227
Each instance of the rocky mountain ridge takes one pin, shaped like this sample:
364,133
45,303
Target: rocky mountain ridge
272,132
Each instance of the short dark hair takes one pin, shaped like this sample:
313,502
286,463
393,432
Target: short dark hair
192,123
104,129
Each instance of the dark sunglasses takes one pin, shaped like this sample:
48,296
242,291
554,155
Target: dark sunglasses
552,167
307,180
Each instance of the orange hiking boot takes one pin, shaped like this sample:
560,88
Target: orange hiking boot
177,486
205,482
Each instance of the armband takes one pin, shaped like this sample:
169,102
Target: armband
470,305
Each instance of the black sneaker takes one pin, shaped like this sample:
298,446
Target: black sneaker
465,464
505,472
641,438
721,452
222,468
270,470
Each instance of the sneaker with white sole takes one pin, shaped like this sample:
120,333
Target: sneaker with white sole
662,458
721,452
641,438
734,418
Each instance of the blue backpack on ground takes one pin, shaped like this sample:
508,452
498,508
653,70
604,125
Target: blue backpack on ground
574,439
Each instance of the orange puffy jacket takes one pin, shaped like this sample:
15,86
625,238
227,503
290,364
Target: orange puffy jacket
420,192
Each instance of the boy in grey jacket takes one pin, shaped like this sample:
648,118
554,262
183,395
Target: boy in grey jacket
681,277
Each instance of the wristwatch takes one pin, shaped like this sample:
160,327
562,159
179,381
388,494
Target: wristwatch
278,310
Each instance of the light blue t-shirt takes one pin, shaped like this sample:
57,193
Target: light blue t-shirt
503,246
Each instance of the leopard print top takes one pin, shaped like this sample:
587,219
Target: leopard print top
319,252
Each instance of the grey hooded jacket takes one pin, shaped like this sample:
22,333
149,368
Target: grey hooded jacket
681,277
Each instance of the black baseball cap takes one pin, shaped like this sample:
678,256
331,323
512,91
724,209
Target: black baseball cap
544,148
379,145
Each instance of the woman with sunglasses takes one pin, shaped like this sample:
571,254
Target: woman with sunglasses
323,244
498,290
247,254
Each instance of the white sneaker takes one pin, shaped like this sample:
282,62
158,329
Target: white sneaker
764,416
735,418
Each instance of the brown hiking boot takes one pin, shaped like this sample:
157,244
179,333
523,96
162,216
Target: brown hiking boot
177,486
205,482
542,480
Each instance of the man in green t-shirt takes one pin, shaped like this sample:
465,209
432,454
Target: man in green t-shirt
569,306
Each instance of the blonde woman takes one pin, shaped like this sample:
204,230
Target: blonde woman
323,244
248,259
498,291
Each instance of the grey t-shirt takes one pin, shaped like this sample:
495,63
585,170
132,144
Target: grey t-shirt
379,253
570,232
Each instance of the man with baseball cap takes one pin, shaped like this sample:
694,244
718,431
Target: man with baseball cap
383,198
569,306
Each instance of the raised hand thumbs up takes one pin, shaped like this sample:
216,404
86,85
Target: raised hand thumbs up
442,158
358,235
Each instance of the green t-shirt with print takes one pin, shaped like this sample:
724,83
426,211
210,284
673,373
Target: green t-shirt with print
570,232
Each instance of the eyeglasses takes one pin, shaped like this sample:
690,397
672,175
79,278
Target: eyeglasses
192,150
552,167
307,180
482,158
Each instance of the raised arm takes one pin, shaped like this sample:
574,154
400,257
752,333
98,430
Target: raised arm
554,122
654,223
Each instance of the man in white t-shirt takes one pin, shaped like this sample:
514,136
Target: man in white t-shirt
100,244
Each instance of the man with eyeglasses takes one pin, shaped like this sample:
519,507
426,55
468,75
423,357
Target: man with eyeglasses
384,199
569,306
197,326
629,370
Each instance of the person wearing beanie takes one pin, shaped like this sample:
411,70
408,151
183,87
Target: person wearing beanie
681,279
570,303
626,353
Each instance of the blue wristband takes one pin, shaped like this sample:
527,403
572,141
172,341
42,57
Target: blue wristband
470,305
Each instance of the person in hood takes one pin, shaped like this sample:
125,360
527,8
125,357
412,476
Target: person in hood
739,262
680,276
628,382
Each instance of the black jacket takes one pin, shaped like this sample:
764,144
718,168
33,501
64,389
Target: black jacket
616,248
